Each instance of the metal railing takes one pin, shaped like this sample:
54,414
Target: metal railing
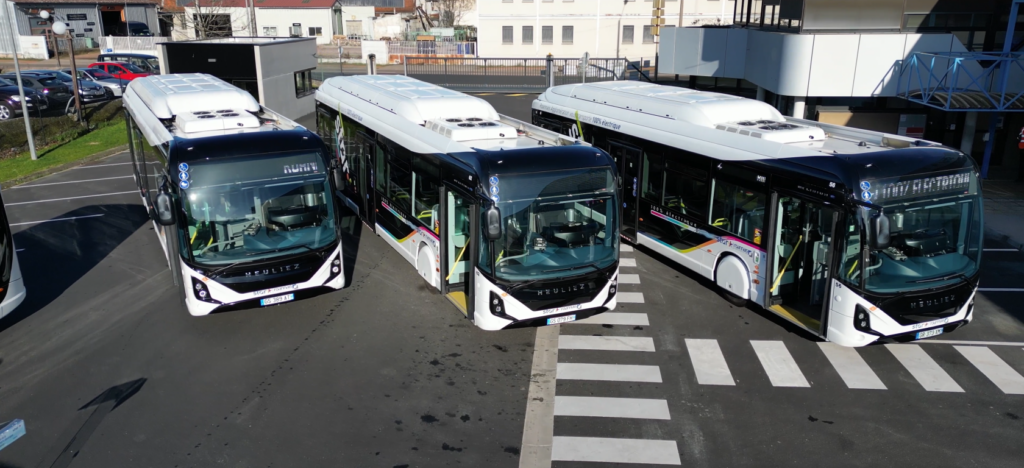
431,48
510,74
141,44
964,81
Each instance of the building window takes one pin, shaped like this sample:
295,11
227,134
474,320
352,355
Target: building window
627,34
316,31
566,34
648,35
547,34
506,34
527,34
270,31
304,83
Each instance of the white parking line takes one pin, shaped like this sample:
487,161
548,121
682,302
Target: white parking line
625,278
617,318
851,367
708,362
606,343
997,370
927,372
72,198
627,262
1002,250
593,449
1001,289
625,248
106,165
72,182
779,364
630,298
976,343
608,372
56,219
600,407
538,427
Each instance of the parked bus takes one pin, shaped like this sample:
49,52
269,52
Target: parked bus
514,224
241,197
12,286
855,236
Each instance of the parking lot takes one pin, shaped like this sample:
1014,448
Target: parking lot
106,367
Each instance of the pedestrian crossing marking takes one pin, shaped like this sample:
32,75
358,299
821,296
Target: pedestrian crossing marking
627,262
608,372
708,362
779,364
625,248
633,408
923,368
606,343
625,278
616,318
606,450
851,367
630,298
997,370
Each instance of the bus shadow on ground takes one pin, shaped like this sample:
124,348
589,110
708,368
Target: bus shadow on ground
351,233
54,255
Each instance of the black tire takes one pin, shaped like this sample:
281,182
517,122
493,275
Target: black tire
732,298
6,113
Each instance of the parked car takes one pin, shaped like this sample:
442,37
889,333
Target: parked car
89,92
123,70
132,28
148,63
10,100
56,92
102,78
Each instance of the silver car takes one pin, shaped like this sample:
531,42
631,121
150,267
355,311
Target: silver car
102,78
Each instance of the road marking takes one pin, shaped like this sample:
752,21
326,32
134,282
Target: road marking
625,248
485,94
606,343
923,368
708,362
1002,250
627,262
997,370
57,219
616,318
72,198
515,95
630,298
539,424
975,343
851,367
990,289
72,182
111,164
634,408
779,364
625,278
594,449
609,372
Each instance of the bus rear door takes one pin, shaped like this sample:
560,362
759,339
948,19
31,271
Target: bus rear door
627,158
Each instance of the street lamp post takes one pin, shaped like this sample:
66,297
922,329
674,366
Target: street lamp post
59,29
21,88
618,35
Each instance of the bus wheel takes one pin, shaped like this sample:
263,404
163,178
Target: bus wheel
424,266
731,278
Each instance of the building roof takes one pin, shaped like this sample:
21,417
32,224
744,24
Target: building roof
89,2
265,3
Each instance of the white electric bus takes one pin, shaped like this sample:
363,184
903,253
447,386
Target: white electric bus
12,286
514,224
853,235
242,198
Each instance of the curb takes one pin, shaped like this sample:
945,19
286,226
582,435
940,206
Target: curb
63,167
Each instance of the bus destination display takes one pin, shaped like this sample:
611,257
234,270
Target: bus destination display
899,188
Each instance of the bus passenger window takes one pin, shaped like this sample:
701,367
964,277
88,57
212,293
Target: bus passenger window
399,186
739,211
424,200
686,195
653,177
381,178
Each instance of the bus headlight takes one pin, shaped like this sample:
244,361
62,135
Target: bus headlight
202,292
613,287
497,306
335,268
862,319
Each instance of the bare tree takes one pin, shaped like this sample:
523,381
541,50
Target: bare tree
450,12
210,18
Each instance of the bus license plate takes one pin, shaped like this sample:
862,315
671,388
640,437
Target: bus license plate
557,320
928,333
277,300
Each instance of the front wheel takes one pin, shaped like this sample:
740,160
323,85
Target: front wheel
6,112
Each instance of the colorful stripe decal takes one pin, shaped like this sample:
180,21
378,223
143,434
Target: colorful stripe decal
406,221
682,251
721,239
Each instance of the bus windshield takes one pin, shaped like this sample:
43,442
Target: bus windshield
254,208
933,243
555,224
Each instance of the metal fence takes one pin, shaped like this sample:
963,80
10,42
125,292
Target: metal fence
514,74
431,48
139,44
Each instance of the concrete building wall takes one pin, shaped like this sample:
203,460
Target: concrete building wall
276,65
282,20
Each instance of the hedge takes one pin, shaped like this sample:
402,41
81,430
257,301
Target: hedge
53,130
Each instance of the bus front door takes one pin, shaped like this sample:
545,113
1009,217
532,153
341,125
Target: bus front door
804,233
628,160
364,169
458,238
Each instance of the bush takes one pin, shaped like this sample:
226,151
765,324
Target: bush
53,130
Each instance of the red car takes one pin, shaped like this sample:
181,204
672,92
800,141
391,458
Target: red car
122,70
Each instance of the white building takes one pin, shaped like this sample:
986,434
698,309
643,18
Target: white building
569,28
322,19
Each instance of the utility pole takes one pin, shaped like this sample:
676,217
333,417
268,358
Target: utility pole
21,89
679,23
657,21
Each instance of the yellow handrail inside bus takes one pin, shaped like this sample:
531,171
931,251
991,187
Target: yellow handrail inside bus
775,285
456,261
502,254
852,268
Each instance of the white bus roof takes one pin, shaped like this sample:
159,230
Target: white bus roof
691,118
196,105
428,118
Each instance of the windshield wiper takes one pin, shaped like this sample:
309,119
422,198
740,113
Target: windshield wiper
944,278
281,249
593,265
522,285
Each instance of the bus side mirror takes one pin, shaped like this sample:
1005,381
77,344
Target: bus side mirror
879,232
164,209
493,222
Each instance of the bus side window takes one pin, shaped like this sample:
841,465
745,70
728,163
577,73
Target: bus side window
139,145
424,192
738,210
325,129
653,177
686,194
381,176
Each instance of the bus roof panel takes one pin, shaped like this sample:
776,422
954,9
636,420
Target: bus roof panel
415,100
171,95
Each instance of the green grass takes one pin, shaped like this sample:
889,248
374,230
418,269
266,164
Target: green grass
95,141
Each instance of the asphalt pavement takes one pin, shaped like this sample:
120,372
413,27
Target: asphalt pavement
108,369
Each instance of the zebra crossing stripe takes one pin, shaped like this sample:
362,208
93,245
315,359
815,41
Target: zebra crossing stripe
851,367
608,372
606,343
594,449
708,363
625,278
634,408
615,318
923,368
625,248
627,262
779,364
630,298
997,370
